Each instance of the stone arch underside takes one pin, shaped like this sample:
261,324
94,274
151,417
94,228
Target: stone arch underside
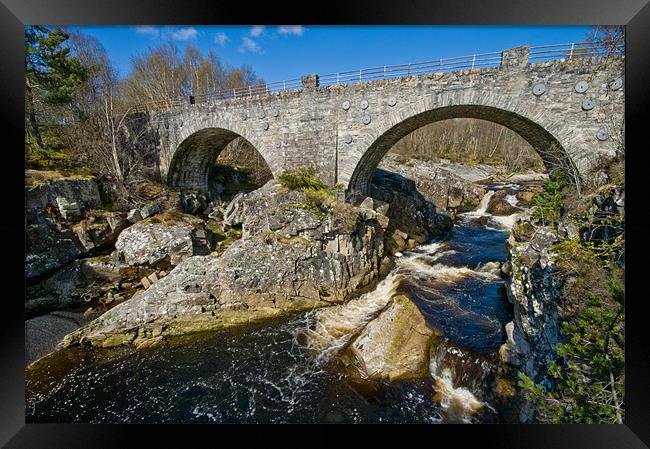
543,142
196,155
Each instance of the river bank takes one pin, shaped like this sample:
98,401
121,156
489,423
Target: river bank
459,290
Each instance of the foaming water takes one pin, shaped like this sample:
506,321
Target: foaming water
335,326
483,205
284,370
499,222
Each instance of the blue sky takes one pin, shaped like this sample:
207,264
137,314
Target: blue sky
286,52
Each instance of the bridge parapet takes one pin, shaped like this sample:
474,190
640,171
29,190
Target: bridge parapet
515,58
343,127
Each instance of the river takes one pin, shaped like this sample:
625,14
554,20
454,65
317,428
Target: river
286,370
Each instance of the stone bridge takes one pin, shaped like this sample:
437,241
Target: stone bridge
570,110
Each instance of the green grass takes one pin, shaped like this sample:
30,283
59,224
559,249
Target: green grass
319,197
302,178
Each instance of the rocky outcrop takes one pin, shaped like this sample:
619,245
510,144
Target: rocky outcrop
447,185
50,210
534,288
292,257
598,218
169,238
394,346
82,281
99,229
412,219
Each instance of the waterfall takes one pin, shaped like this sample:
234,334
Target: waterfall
485,202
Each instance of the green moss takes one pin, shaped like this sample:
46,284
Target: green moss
271,236
173,217
114,340
301,178
523,231
42,177
100,259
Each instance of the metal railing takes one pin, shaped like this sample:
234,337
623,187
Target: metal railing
482,60
477,61
575,50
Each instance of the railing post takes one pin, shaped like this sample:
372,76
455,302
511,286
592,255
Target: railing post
384,71
514,58
473,61
409,72
284,85
310,81
250,91
571,53
234,93
360,74
337,77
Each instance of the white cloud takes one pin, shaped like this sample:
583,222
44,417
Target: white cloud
184,34
296,30
249,45
257,30
221,38
148,30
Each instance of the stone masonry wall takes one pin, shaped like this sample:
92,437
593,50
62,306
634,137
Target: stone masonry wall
315,125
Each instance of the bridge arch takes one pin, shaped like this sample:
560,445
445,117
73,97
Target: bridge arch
546,135
197,153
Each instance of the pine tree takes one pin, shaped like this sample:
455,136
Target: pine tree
51,74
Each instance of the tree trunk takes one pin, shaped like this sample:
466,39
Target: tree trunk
31,113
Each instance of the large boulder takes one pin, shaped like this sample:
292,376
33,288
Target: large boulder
99,229
293,256
412,219
169,237
503,202
394,346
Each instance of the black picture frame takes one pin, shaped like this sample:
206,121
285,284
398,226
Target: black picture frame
14,14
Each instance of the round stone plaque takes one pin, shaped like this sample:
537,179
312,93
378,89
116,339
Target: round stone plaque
588,104
581,86
539,89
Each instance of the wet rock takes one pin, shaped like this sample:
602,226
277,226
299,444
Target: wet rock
500,203
410,215
394,346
